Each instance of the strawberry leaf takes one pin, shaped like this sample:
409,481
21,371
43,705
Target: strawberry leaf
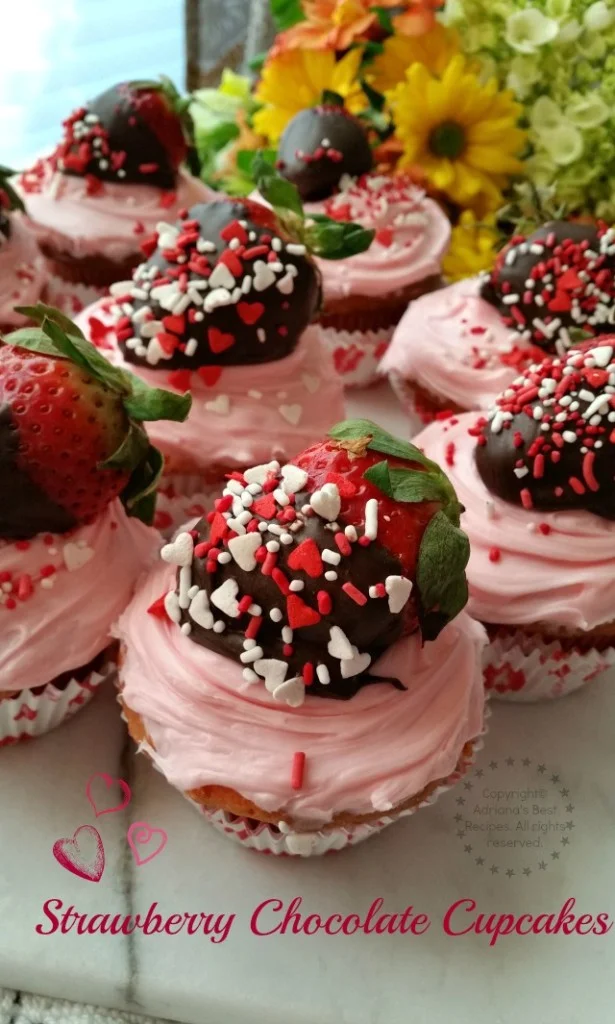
336,239
32,340
380,441
41,312
139,495
276,190
131,452
440,574
147,404
15,200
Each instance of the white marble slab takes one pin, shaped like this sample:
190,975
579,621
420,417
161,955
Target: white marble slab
360,979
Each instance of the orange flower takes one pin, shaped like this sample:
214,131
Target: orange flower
418,17
329,25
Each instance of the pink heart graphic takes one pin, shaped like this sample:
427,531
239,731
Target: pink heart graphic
102,779
141,834
84,854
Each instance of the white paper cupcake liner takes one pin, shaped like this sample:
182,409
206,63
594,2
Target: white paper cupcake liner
356,354
70,296
30,714
283,841
181,498
524,668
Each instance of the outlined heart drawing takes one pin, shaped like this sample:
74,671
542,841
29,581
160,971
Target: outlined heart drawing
103,783
83,855
143,838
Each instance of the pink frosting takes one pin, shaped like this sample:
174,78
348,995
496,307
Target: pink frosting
112,222
367,754
412,236
253,413
565,577
450,342
78,584
22,272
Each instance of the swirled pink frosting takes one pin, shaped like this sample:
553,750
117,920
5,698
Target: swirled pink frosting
253,413
62,594
564,576
412,235
22,272
209,727
451,342
112,222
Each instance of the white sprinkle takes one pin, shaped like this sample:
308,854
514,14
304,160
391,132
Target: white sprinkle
272,546
191,346
371,518
521,472
261,334
297,585
294,249
322,674
351,534
276,615
250,676
331,576
332,557
224,558
569,436
255,654
281,497
287,634
286,538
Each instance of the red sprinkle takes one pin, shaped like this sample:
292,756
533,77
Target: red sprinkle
494,555
253,627
296,778
343,543
308,673
354,593
324,602
244,604
588,471
280,580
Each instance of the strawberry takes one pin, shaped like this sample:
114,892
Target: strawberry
307,573
71,435
319,147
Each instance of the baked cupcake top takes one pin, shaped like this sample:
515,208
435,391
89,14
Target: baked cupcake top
22,272
306,573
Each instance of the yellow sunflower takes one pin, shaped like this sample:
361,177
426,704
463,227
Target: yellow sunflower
462,133
295,80
473,247
435,50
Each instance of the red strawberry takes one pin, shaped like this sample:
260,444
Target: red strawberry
71,438
155,106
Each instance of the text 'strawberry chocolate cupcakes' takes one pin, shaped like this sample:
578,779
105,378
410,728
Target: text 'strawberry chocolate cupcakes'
115,174
72,450
536,480
22,267
296,664
460,348
223,307
326,153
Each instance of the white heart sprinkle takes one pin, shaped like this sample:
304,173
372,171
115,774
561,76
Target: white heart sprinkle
601,356
399,589
200,611
339,645
327,502
286,284
171,605
291,413
180,551
121,288
243,549
264,276
292,692
273,672
293,479
258,474
165,295
225,598
220,405
301,844
311,382
75,557
357,664
221,277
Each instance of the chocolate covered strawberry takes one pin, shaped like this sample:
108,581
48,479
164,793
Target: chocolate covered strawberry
71,434
320,146
306,573
132,132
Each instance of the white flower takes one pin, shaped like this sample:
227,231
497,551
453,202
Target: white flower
588,111
540,169
524,73
570,31
558,8
529,29
599,16
563,143
545,115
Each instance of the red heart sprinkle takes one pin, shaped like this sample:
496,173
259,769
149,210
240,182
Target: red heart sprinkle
157,609
385,237
569,281
218,341
299,613
345,486
234,264
234,230
210,375
265,507
180,379
562,303
306,556
168,342
250,312
175,324
218,529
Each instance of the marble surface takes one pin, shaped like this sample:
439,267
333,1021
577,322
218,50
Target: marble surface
364,979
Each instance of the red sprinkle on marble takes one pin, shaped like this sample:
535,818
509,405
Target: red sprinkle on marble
354,593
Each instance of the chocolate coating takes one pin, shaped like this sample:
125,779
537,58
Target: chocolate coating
260,306
5,225
25,509
321,145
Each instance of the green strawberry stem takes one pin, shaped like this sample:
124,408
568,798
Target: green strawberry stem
322,236
59,338
14,199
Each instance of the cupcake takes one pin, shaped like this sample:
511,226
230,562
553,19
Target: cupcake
460,348
115,174
535,477
296,664
326,153
73,453
22,268
223,307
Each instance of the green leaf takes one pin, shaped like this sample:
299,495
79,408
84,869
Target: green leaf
286,13
440,574
331,99
384,19
131,452
217,138
139,495
376,99
81,352
146,403
380,477
279,192
381,441
246,157
33,340
371,50
258,61
15,200
336,240
417,485
41,312
64,343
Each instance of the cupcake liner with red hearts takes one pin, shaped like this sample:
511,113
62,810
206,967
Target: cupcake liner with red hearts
356,354
31,713
523,668
183,497
281,840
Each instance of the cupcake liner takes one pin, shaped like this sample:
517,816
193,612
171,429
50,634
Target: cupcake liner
31,714
524,668
71,296
183,497
356,354
284,841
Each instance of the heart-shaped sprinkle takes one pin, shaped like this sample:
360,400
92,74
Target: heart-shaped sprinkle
299,614
339,645
180,380
562,303
346,488
171,606
264,507
399,589
219,341
327,502
234,230
200,612
76,555
311,383
306,557
210,375
250,312
220,405
243,549
601,356
292,692
218,528
291,413
286,284
258,474
263,276
221,277
179,551
354,666
225,598
273,672
175,324
293,479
